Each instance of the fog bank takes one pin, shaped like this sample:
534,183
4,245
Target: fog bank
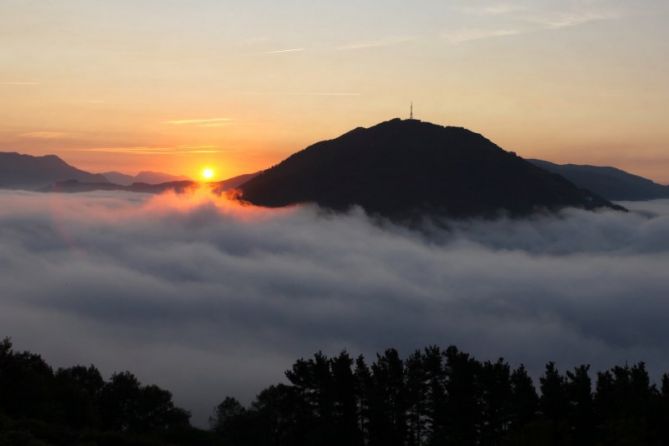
208,298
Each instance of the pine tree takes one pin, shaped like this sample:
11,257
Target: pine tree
581,407
363,391
495,384
524,400
415,399
435,399
345,410
388,401
463,413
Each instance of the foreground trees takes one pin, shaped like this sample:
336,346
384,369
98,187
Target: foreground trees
437,397
40,406
432,397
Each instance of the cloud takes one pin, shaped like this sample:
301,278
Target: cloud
286,50
494,9
559,20
376,43
304,93
468,35
45,135
319,93
145,150
210,298
206,122
519,19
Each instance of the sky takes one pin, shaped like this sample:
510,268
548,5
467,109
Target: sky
207,298
174,85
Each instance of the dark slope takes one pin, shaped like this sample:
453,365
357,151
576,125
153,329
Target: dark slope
404,168
234,182
19,171
608,182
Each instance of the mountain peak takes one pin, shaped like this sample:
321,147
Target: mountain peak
405,167
35,172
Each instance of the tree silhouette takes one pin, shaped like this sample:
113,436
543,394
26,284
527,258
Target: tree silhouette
345,410
416,383
433,397
523,401
581,407
496,392
463,408
79,388
363,390
75,406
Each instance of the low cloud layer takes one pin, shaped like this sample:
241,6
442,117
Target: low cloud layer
207,298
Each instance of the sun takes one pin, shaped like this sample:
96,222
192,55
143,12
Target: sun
207,173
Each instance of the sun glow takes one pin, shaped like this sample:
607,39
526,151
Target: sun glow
208,173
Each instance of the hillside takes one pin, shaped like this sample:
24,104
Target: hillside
608,182
19,171
408,168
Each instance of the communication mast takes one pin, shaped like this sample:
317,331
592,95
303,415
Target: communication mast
411,111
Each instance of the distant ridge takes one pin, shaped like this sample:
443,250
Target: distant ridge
407,168
608,182
147,177
50,173
18,171
234,182
74,186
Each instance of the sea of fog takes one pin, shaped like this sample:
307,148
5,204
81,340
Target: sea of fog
208,298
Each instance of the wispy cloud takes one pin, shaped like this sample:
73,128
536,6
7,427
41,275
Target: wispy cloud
205,122
304,93
375,43
467,35
145,150
44,135
522,20
286,50
494,9
560,20
322,93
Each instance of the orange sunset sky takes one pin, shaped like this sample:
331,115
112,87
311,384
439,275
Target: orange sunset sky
175,85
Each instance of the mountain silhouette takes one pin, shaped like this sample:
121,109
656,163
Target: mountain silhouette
50,173
148,177
409,168
218,187
74,186
234,182
608,182
19,171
